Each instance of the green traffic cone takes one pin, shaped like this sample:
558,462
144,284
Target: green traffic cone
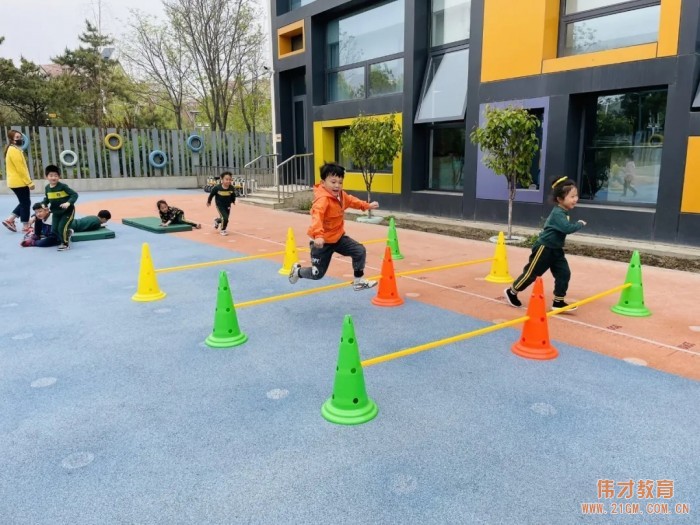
631,301
226,333
349,404
392,241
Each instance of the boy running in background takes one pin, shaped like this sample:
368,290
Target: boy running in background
225,195
172,215
91,223
327,229
60,199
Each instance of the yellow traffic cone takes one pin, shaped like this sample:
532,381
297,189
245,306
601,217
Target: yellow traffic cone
499,266
290,254
147,289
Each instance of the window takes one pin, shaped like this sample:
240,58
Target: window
596,25
623,143
345,161
364,53
450,21
295,4
696,101
444,94
447,158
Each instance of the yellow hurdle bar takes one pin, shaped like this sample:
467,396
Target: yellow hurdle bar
441,342
589,299
482,331
216,263
444,267
194,266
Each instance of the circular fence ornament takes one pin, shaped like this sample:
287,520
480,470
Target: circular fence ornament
114,141
158,159
68,158
195,143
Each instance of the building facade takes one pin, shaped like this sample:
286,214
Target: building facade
614,84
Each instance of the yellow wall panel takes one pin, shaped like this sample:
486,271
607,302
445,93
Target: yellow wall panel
600,58
324,145
521,38
669,27
690,202
514,38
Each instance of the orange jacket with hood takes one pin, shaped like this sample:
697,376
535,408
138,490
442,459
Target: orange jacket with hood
328,213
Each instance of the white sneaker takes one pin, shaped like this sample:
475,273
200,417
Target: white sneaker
361,283
70,234
223,232
294,273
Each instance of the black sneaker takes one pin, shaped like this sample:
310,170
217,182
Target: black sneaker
559,304
512,298
63,248
217,222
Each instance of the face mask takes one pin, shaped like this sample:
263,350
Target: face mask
19,141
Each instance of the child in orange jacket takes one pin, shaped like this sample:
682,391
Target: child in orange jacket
327,229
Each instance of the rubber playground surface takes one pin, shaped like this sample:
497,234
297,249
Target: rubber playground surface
115,411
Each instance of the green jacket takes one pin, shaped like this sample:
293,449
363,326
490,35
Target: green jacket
556,228
58,195
86,224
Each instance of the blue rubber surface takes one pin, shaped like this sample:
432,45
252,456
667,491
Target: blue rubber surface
113,411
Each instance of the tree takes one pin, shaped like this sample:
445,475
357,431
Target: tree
509,142
161,57
27,92
96,75
370,143
219,35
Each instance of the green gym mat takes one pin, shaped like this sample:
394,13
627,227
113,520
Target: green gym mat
152,224
102,233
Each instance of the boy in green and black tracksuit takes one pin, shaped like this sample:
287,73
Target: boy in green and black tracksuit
225,195
91,223
60,199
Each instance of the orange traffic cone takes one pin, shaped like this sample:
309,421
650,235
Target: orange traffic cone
534,342
387,293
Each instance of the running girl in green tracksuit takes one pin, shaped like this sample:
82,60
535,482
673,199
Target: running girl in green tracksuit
548,251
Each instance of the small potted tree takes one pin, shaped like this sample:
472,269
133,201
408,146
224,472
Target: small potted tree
371,143
508,139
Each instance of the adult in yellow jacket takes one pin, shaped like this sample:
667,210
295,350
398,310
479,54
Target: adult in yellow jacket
18,180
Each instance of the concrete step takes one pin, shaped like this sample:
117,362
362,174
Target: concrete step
262,202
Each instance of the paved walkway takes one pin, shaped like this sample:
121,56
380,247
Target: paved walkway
113,411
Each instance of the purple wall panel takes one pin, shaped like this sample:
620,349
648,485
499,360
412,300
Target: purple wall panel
492,186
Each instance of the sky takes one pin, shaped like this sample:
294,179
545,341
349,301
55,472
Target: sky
42,29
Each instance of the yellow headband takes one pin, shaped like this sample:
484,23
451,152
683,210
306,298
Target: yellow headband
561,179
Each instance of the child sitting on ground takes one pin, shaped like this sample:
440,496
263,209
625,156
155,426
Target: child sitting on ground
41,230
91,223
172,215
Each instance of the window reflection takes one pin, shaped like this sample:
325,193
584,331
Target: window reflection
445,94
630,28
624,143
346,85
386,77
451,21
447,164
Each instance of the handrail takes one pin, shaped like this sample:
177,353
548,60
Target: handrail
295,156
256,159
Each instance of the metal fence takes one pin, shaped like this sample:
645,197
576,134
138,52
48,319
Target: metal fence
94,159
